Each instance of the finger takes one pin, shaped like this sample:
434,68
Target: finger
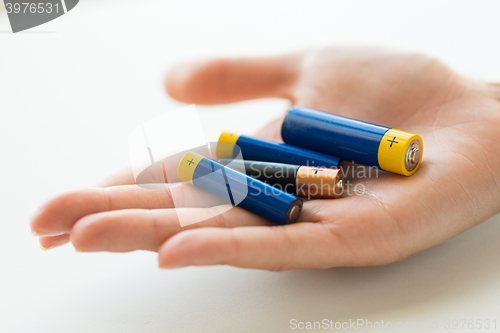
122,177
229,80
302,245
47,243
129,230
58,215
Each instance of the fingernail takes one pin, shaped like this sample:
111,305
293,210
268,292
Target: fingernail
44,248
37,210
50,247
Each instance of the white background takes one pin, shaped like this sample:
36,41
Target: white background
72,90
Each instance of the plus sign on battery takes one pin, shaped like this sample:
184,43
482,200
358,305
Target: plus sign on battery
393,141
316,170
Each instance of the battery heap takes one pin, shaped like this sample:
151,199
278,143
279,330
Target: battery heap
268,178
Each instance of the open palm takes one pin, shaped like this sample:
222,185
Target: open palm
456,187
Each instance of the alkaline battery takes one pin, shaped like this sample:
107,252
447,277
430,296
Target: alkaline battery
354,140
239,189
251,148
304,181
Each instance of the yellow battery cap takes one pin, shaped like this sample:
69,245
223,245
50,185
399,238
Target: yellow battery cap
186,167
225,145
400,152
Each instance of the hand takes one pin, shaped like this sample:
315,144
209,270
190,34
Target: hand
456,188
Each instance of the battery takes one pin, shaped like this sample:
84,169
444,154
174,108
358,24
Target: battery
303,181
354,140
251,148
239,189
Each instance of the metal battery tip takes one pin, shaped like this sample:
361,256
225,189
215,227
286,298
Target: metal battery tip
294,213
413,153
340,185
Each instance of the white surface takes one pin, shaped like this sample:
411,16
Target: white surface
70,97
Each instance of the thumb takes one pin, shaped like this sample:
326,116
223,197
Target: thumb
229,80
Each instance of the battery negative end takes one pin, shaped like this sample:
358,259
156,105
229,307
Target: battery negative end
294,213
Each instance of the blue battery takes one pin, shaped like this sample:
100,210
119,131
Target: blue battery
239,189
251,148
353,140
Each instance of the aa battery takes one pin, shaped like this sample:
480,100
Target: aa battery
251,148
239,189
304,181
353,140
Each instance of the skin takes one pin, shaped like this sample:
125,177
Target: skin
456,187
